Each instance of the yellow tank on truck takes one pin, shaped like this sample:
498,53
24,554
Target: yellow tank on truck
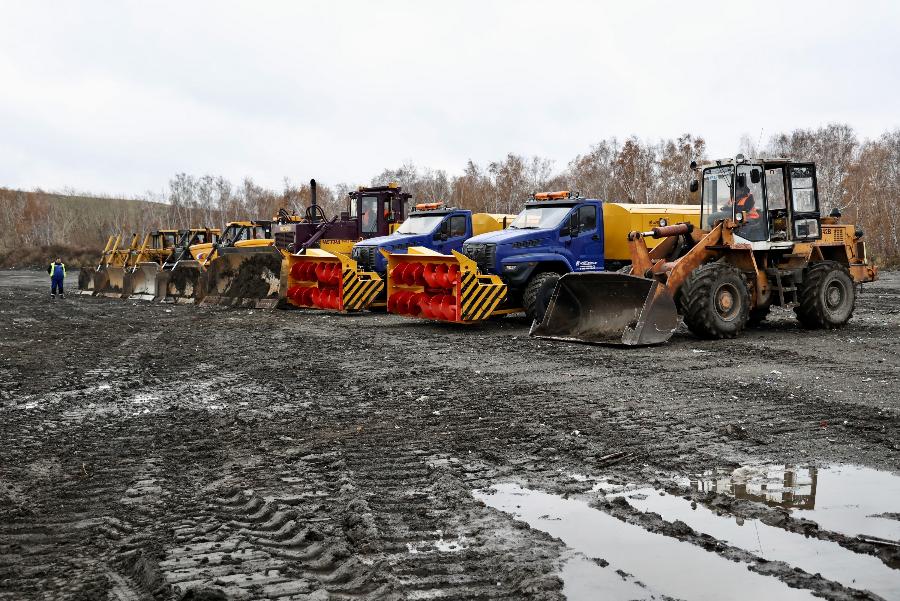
483,223
621,218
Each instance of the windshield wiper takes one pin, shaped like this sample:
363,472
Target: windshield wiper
529,227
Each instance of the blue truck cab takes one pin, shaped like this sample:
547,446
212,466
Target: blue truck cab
555,234
430,225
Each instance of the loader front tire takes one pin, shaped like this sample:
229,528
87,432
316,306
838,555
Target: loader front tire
826,297
537,295
715,301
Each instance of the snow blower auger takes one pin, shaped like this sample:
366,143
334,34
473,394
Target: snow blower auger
109,280
758,246
318,279
86,274
426,284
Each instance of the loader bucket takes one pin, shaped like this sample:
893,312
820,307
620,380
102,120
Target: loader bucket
109,281
429,285
244,277
318,279
141,283
609,308
86,280
184,283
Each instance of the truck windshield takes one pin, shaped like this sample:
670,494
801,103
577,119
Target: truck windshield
423,224
535,218
717,199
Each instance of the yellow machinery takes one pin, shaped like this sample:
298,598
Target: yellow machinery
86,274
109,279
332,279
140,278
762,243
516,269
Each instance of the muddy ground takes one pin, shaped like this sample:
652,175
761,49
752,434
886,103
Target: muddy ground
180,452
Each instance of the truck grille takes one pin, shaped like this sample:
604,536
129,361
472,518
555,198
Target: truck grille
285,240
484,255
365,257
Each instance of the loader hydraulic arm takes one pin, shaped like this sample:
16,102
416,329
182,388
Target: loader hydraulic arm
642,258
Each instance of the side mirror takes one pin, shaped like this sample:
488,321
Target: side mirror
695,185
754,176
741,180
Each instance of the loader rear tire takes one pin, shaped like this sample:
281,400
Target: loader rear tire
715,301
826,296
537,295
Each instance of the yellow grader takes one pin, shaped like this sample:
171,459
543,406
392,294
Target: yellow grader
514,270
762,243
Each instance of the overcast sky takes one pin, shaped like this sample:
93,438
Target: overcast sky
116,97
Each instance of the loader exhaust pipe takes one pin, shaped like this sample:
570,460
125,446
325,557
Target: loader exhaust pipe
313,199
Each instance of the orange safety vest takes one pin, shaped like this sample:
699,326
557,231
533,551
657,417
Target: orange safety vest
752,213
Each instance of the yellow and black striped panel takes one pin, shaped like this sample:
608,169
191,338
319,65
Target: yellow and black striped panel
478,296
359,292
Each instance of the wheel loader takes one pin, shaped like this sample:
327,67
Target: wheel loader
762,242
86,274
511,270
318,269
109,278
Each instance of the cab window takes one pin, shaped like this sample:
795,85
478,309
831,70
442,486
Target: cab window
803,192
587,218
775,189
369,216
457,226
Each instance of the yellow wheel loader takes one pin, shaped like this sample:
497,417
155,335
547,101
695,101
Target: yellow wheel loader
514,270
762,243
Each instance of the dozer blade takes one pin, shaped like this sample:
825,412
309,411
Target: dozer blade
110,281
609,308
141,283
244,277
426,284
319,279
86,280
184,283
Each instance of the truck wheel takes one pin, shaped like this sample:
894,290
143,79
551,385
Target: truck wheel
715,301
537,294
826,297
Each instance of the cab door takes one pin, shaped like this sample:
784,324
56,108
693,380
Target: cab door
453,231
586,239
804,203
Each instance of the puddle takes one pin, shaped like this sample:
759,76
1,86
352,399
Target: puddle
844,498
666,566
775,544
583,579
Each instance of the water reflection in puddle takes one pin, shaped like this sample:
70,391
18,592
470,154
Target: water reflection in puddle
665,565
775,544
846,498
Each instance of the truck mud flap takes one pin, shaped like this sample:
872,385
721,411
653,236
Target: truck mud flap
244,278
318,279
141,282
429,285
609,308
184,283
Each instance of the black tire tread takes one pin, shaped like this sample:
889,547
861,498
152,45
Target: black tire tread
694,300
533,290
809,309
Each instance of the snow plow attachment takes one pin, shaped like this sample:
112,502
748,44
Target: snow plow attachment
86,280
141,283
109,281
244,277
184,283
609,308
319,279
426,284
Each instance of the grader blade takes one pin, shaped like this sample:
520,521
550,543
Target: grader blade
86,280
141,283
609,308
319,279
184,283
244,277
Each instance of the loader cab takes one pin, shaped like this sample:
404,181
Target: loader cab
378,210
241,232
774,201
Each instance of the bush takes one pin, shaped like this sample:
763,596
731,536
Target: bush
40,257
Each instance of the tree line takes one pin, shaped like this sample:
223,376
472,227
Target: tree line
859,177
